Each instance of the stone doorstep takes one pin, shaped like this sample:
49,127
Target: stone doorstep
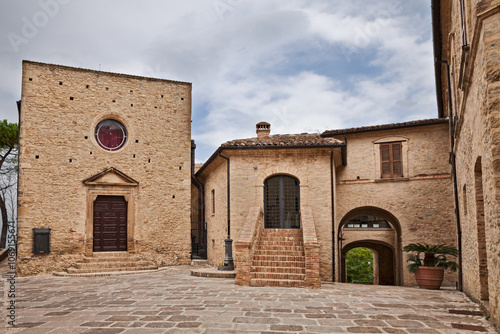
111,254
109,269
103,273
213,273
117,264
276,282
109,259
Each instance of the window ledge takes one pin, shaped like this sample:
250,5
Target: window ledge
399,179
367,228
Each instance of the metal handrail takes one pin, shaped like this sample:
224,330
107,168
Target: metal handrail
142,242
72,246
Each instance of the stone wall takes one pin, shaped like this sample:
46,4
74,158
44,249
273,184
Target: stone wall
419,206
60,107
475,89
214,180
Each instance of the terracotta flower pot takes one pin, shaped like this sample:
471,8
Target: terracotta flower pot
429,277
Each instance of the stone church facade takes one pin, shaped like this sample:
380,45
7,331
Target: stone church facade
467,40
105,164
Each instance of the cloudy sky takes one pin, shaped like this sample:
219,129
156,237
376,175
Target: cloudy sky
302,65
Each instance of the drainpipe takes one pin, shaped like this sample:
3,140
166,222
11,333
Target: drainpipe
228,259
201,192
333,216
454,172
341,266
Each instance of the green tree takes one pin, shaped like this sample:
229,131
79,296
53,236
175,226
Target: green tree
359,263
9,139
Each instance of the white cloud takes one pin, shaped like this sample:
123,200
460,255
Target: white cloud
302,65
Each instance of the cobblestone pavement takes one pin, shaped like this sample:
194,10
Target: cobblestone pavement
172,301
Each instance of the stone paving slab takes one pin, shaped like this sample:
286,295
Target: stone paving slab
173,301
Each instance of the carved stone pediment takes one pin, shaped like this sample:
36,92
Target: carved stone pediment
111,177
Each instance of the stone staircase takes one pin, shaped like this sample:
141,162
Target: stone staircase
278,259
109,264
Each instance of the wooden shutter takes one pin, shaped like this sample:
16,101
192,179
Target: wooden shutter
391,161
385,157
397,161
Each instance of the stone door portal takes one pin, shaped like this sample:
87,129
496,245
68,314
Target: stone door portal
110,224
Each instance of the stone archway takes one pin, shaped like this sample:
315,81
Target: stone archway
378,230
383,257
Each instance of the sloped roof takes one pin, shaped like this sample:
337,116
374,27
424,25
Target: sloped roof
303,139
385,126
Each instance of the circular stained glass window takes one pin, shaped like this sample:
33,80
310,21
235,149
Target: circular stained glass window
111,135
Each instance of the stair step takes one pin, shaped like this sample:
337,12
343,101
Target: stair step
110,259
278,258
96,270
279,243
275,269
274,252
104,273
264,263
281,248
280,276
115,264
111,254
276,282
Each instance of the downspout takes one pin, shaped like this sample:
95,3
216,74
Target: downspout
228,258
201,190
454,172
333,215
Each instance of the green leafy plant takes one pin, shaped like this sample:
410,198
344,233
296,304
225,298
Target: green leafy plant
434,256
359,264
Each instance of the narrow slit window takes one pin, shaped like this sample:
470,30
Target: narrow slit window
213,200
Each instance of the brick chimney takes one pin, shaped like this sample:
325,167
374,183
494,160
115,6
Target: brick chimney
263,129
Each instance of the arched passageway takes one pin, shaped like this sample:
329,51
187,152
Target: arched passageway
383,261
379,231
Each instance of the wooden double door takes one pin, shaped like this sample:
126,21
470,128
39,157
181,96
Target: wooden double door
110,224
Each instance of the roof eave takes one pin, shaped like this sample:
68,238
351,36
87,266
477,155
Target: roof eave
332,133
223,148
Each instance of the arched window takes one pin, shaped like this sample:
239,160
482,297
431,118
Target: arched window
281,202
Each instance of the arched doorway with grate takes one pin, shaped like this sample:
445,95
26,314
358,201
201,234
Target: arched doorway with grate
282,202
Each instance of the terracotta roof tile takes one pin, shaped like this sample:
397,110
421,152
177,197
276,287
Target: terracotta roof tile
303,139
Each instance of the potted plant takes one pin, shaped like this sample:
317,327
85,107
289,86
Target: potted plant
429,271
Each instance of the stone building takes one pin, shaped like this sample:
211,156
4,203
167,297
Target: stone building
467,53
296,204
105,165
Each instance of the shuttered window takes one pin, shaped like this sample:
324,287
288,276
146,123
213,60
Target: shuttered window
391,160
